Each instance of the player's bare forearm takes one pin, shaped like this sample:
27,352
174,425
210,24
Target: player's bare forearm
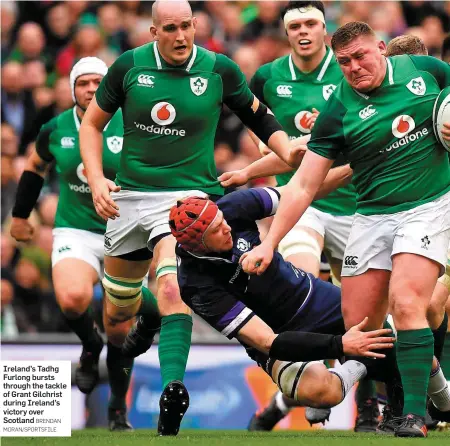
336,178
271,164
257,334
91,140
279,143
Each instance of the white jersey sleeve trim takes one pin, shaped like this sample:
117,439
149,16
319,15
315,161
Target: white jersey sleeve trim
236,322
275,199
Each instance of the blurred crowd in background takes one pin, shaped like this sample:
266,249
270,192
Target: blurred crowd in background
41,41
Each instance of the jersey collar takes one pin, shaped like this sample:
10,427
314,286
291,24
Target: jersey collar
78,122
388,78
159,60
321,69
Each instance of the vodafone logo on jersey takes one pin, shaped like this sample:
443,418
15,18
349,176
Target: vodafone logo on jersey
301,121
402,125
163,113
402,128
81,173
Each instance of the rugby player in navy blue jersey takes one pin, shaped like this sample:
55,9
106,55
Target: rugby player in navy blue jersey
283,317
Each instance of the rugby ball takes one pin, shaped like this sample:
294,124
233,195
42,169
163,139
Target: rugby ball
441,114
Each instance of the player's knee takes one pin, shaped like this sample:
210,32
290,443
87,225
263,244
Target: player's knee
122,292
75,300
288,376
318,388
168,290
407,307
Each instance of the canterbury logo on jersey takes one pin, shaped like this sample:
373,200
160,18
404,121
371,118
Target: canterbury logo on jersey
67,142
284,91
145,80
64,249
367,112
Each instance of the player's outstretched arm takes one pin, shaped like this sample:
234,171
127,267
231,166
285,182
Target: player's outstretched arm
304,346
267,166
295,198
336,178
29,189
91,149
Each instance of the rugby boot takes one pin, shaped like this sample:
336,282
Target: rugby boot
368,416
86,374
266,419
388,422
173,404
118,420
412,426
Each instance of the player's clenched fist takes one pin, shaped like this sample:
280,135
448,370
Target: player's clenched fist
233,178
257,260
104,204
21,229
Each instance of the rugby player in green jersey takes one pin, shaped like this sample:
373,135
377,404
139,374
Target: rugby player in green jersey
380,118
295,87
171,93
445,361
77,256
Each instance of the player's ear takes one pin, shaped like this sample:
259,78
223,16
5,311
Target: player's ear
154,32
382,47
194,22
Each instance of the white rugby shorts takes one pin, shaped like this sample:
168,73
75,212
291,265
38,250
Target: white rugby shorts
70,243
143,216
374,239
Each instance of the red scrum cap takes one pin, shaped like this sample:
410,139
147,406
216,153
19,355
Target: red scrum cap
189,219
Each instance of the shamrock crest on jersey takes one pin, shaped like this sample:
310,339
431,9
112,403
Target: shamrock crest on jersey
327,91
114,143
198,85
417,86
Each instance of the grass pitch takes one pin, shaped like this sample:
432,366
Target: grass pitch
102,437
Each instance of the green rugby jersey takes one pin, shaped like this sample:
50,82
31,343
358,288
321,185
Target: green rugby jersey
291,95
170,116
387,135
58,141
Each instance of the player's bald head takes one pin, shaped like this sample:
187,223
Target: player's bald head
162,9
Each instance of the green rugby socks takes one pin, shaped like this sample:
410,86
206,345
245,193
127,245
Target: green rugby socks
414,358
174,345
119,373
